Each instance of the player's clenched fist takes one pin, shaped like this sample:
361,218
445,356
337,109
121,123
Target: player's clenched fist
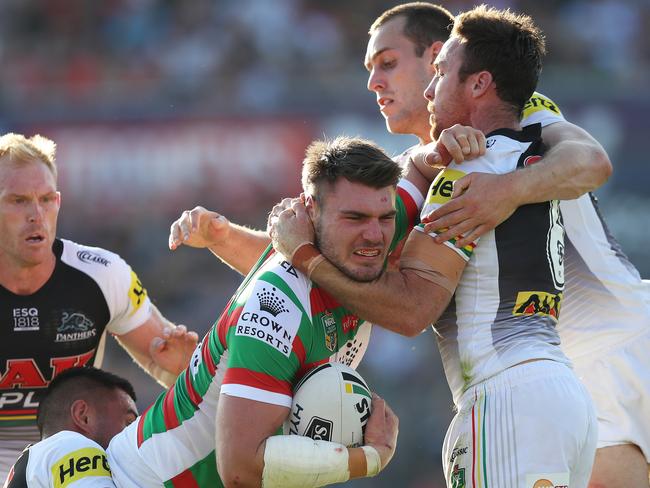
198,227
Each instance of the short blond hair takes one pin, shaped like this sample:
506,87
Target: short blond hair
17,148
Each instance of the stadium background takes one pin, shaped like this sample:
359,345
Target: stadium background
157,106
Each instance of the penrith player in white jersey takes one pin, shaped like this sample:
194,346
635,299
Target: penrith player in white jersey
523,417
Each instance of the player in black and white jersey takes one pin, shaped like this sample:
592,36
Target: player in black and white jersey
82,410
58,298
523,416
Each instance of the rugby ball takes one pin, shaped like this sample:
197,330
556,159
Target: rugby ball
332,403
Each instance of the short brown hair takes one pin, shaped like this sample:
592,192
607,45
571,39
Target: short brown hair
355,159
18,148
425,24
506,44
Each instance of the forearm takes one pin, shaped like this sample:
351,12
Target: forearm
163,377
296,461
242,248
574,165
397,300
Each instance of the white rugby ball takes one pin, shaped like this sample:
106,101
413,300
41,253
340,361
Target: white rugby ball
332,403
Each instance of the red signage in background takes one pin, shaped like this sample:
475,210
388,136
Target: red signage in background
170,165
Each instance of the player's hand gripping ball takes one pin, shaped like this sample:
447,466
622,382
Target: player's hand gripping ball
332,403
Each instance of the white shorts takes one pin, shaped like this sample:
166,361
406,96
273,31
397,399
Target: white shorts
530,423
619,382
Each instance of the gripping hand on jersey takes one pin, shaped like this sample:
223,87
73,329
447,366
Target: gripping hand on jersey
458,143
479,203
198,227
290,226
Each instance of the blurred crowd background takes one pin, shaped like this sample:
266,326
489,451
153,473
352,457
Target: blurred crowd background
158,106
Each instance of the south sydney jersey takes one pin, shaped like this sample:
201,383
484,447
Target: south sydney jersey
508,300
276,327
60,326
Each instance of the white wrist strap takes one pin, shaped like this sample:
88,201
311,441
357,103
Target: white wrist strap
296,461
373,461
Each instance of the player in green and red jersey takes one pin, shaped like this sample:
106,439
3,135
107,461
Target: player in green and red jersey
276,327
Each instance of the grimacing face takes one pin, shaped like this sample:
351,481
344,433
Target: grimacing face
29,208
398,78
354,227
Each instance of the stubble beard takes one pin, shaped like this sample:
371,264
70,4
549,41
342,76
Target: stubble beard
327,250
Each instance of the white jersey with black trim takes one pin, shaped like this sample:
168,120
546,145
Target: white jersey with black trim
65,460
605,303
61,325
506,305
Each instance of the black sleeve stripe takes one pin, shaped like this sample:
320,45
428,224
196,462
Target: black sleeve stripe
18,473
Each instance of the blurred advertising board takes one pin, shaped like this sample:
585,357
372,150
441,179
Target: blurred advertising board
167,165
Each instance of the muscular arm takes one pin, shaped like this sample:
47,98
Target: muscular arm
242,248
160,347
574,164
235,245
406,300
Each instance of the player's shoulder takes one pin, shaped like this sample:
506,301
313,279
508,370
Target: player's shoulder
89,259
541,109
504,148
278,271
64,454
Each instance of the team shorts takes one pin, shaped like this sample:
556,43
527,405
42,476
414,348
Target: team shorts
530,426
618,380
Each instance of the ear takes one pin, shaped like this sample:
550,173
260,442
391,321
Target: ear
58,199
80,413
432,53
311,206
481,83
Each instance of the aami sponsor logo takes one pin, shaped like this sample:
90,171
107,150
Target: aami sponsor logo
80,464
75,326
26,319
442,186
91,257
538,303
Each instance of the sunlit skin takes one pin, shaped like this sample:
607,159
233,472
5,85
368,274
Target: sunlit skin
354,227
29,208
398,78
445,92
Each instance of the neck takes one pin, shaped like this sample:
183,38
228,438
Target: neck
492,117
22,279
